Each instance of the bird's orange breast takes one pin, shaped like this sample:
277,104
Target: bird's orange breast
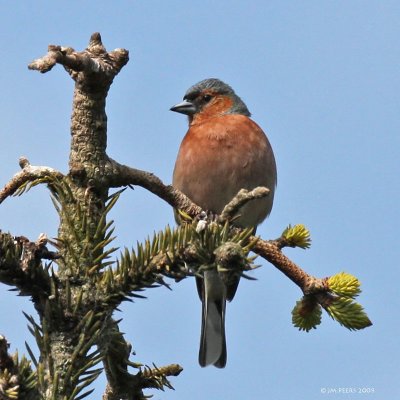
222,155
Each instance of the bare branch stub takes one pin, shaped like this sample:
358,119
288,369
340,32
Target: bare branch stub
29,173
93,60
242,198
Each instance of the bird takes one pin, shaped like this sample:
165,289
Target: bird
223,151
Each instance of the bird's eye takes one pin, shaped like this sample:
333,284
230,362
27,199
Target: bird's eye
207,98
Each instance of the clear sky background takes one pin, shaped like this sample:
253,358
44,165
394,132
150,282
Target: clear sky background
322,79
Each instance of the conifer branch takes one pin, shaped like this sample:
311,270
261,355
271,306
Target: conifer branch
28,177
21,264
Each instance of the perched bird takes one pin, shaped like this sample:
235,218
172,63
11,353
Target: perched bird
223,151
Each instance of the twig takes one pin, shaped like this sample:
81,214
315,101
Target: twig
29,173
271,251
243,197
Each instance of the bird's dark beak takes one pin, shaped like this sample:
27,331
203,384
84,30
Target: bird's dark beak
185,107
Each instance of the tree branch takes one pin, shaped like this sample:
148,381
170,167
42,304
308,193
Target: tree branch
269,250
95,59
122,384
6,361
242,198
20,264
63,339
125,176
29,173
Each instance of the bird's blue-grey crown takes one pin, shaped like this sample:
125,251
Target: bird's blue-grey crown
217,86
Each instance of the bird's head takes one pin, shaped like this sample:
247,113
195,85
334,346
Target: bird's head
210,98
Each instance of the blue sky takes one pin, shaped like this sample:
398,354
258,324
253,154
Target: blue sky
322,79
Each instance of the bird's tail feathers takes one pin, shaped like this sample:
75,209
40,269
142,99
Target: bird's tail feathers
213,342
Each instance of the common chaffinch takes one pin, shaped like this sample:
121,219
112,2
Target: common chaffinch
222,152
